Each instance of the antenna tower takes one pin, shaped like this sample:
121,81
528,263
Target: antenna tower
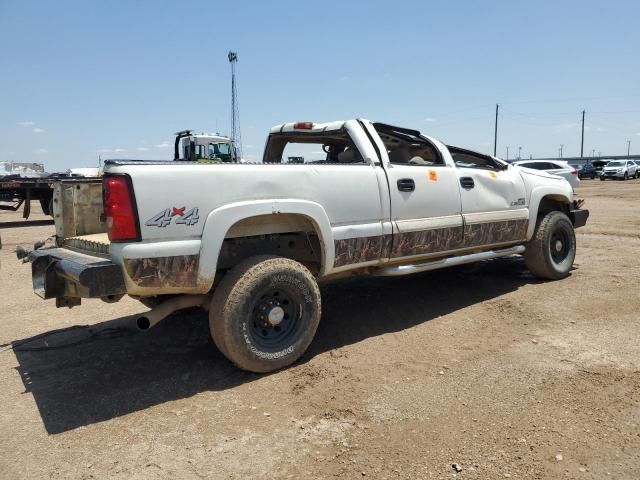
236,138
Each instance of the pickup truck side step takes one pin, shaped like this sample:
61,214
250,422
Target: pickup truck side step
396,270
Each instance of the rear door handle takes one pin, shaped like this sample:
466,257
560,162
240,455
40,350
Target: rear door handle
467,183
406,185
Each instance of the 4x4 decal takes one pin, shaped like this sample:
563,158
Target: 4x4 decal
165,217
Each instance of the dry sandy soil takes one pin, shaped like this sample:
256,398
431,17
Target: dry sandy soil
481,366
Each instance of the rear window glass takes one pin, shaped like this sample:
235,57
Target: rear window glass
296,148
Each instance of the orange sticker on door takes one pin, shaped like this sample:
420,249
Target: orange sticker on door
433,175
493,174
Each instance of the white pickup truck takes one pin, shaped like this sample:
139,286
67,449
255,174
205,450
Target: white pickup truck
249,242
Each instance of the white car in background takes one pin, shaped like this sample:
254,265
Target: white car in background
620,169
554,167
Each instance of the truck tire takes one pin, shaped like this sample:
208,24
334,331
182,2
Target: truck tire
265,312
552,250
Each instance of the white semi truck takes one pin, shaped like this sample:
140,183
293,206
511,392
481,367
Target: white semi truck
250,242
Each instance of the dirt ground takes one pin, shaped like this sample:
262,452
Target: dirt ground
482,366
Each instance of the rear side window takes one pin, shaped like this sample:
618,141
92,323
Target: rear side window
408,147
535,166
555,166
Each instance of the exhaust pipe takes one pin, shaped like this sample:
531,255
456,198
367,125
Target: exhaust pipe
166,308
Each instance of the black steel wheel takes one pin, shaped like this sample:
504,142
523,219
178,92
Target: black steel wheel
276,318
552,250
559,245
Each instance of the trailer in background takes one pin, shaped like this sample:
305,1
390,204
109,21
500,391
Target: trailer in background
17,191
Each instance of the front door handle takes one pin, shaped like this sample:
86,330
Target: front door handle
406,185
467,183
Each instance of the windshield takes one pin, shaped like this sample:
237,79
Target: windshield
219,149
615,164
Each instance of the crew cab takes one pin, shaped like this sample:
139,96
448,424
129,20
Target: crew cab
250,242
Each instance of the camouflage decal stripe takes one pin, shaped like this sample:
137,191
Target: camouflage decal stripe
477,234
362,249
427,241
178,271
350,251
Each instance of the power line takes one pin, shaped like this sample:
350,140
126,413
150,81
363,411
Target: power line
582,141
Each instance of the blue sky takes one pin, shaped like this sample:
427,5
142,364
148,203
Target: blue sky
83,78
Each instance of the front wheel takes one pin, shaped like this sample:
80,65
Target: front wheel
265,312
551,251
602,179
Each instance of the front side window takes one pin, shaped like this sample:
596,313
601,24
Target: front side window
468,159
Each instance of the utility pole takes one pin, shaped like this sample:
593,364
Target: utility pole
519,150
629,148
561,147
593,153
495,134
582,141
236,139
507,154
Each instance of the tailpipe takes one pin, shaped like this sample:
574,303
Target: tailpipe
166,308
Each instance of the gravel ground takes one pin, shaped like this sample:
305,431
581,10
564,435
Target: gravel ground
483,367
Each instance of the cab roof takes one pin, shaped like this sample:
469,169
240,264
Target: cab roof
211,137
303,126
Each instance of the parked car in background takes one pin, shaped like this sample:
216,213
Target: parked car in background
599,165
586,170
620,169
556,167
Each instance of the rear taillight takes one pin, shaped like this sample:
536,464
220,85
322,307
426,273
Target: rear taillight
120,208
574,172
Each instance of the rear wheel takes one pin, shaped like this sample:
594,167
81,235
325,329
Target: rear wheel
551,251
625,176
602,179
265,312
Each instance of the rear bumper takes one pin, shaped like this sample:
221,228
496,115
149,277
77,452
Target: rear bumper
68,276
579,217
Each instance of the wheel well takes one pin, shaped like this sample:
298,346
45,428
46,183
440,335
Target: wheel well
551,203
285,235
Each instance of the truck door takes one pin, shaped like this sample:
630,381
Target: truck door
423,188
494,202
